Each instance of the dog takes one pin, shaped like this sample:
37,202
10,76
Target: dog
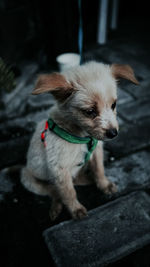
84,111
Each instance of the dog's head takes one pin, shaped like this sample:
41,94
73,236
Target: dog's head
87,95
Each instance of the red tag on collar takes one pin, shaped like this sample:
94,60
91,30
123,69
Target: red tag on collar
43,134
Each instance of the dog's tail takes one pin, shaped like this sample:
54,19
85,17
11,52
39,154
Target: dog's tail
14,169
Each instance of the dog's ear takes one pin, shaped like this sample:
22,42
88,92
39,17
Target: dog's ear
55,84
123,71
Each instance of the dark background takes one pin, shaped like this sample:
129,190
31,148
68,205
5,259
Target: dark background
43,29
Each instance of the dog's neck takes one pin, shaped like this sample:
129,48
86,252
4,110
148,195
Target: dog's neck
62,121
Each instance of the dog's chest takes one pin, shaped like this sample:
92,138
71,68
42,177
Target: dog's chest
65,155
79,159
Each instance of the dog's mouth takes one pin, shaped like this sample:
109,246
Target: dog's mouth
97,136
103,137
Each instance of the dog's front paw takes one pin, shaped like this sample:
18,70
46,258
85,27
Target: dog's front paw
106,186
79,213
111,188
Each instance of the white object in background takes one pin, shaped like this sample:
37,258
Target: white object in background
67,60
102,21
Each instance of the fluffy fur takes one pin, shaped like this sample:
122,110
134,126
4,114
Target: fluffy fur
85,105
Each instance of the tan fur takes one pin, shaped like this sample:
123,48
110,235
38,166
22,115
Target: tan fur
84,98
53,83
98,172
124,71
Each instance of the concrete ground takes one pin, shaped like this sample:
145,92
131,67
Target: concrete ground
117,232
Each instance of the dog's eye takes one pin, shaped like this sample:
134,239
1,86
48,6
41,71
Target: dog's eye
113,105
90,113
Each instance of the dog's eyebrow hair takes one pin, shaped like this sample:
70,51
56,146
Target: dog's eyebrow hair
90,106
95,106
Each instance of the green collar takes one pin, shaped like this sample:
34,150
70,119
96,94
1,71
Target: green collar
90,141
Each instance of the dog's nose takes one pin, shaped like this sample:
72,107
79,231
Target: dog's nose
111,133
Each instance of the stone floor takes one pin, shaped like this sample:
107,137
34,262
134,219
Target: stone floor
24,216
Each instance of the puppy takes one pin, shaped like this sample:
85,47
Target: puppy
85,109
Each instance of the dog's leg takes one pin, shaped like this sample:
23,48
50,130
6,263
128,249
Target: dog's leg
38,187
56,206
97,166
68,195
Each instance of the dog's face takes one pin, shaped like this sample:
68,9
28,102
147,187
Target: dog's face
87,95
93,105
